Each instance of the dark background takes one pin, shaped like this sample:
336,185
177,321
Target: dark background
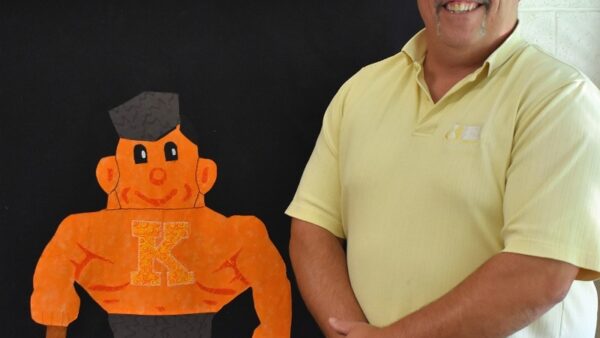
254,79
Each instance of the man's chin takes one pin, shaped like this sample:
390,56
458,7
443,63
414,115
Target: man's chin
464,40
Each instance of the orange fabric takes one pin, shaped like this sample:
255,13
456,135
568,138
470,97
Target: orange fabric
156,250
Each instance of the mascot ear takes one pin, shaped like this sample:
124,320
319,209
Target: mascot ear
206,174
107,173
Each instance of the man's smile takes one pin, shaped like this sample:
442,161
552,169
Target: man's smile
460,7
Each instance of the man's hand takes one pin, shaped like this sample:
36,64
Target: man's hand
354,329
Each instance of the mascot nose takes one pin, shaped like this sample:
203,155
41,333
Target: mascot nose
158,176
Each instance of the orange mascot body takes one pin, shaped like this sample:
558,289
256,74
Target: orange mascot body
157,250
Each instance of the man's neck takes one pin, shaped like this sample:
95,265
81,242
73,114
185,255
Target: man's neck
445,66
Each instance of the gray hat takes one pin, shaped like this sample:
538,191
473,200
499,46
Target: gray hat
146,117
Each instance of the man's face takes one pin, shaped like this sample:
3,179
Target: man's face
467,23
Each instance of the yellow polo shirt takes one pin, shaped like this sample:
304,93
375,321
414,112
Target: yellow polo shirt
424,193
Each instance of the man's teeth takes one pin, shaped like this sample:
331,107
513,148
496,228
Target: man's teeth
461,7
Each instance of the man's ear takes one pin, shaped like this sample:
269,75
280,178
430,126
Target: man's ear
107,173
206,174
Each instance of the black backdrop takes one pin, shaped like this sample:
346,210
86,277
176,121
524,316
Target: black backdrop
254,79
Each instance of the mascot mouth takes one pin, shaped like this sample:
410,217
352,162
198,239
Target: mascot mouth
156,201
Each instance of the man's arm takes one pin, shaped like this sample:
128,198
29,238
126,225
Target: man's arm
504,295
319,263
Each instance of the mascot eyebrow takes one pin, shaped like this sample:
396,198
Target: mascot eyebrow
157,259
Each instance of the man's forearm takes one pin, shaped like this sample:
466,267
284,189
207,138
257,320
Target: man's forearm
319,263
506,294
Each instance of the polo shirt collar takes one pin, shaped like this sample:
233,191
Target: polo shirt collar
416,49
508,48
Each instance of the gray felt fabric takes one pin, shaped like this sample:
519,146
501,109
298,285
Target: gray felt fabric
146,117
180,326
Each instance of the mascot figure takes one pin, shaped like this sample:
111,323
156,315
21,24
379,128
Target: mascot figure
157,259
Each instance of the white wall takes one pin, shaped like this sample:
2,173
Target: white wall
570,30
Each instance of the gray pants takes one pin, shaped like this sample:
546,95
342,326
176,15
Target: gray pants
179,326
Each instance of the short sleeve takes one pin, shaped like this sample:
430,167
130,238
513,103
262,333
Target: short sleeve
318,197
552,196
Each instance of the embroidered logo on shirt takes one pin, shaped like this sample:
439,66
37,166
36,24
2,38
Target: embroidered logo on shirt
148,234
464,133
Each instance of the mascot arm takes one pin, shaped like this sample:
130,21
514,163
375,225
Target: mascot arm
54,301
265,270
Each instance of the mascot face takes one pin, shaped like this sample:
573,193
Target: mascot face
162,174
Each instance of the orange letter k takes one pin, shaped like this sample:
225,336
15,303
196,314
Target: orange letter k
148,233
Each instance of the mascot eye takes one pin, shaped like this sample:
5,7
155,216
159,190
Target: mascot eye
140,155
170,151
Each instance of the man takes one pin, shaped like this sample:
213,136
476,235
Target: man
463,176
157,259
